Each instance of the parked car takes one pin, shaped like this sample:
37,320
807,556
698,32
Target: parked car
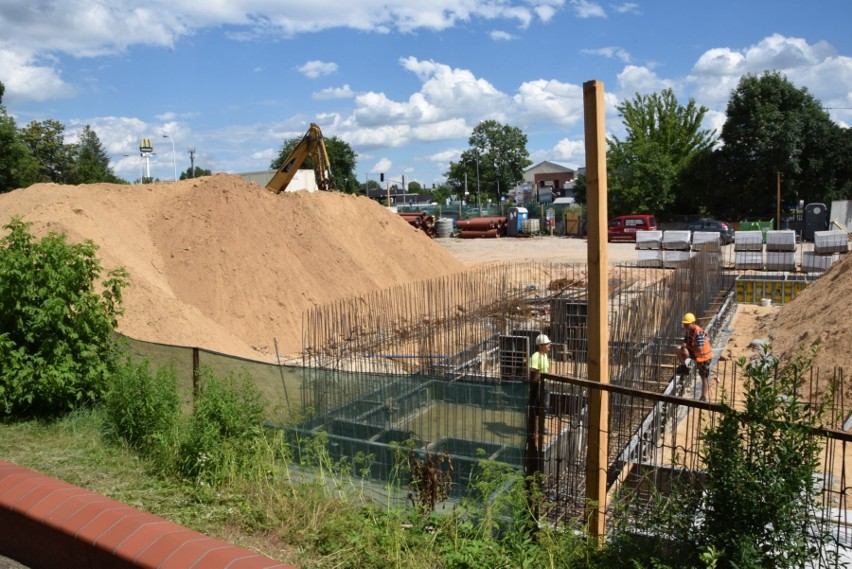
624,227
725,229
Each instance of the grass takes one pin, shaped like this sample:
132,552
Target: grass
326,522
72,449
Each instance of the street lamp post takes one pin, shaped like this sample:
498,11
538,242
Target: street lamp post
478,202
174,160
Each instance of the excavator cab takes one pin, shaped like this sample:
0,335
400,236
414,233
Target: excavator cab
312,145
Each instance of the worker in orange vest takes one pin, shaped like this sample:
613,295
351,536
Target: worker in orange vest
696,347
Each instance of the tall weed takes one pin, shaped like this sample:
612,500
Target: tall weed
143,408
224,439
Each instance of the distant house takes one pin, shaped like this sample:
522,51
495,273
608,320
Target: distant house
545,182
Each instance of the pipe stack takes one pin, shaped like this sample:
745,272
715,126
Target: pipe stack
482,227
421,220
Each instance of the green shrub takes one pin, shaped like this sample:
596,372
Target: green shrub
143,409
756,505
761,464
224,438
57,346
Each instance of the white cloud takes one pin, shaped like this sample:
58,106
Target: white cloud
550,101
499,35
827,75
586,9
626,8
90,28
635,79
344,92
28,80
609,53
570,151
383,165
315,68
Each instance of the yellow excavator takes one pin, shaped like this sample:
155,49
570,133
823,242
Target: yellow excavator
312,145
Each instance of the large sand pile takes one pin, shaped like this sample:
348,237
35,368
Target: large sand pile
223,264
821,315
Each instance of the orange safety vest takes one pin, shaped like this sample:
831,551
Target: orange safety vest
706,351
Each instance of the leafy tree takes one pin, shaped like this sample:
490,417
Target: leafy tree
47,144
497,159
773,127
188,174
57,346
663,138
18,168
92,160
370,185
414,187
340,155
580,191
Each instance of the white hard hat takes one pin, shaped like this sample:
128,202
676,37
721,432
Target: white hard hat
542,339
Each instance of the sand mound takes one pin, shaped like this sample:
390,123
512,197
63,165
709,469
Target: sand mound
821,314
223,264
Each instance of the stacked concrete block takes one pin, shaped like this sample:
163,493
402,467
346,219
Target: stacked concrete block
672,259
650,258
649,239
676,244
813,263
748,260
780,260
676,240
748,250
701,239
649,248
781,240
748,241
781,250
832,241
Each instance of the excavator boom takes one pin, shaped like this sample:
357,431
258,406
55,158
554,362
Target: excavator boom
313,146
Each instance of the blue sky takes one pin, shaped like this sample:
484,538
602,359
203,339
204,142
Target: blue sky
402,81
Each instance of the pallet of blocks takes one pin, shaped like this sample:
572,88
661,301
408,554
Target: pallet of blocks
649,248
831,241
707,240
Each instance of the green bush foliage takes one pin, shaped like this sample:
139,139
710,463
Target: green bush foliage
143,409
57,346
756,505
761,463
224,439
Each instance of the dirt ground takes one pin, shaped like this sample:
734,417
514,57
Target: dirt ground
222,264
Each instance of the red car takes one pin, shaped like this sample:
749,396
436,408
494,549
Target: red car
624,227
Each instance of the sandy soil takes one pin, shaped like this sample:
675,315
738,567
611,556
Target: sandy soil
556,249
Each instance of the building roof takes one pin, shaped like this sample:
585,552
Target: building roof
545,167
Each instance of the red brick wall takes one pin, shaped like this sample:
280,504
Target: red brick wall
48,523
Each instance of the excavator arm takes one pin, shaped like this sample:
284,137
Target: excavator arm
313,146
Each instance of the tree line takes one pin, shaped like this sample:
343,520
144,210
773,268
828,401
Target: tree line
774,133
668,165
38,153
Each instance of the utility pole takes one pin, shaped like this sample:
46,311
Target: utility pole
191,162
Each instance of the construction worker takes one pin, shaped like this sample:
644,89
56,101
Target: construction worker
540,363
696,347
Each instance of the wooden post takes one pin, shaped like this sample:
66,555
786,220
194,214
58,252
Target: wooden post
196,370
778,209
598,294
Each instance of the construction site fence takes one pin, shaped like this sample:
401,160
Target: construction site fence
656,447
439,368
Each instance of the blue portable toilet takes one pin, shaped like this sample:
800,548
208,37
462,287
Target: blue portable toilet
816,219
515,221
